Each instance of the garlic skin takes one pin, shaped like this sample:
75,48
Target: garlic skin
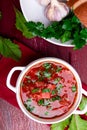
56,10
44,2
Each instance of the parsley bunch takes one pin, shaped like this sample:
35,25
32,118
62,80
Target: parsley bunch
70,28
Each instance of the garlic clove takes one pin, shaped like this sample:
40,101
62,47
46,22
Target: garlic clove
56,10
44,2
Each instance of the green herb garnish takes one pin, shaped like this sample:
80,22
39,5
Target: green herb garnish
56,80
46,113
74,88
45,90
46,74
44,102
41,102
35,90
58,69
59,86
27,76
56,98
47,65
28,106
54,92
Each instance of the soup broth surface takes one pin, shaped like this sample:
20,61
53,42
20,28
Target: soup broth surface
48,89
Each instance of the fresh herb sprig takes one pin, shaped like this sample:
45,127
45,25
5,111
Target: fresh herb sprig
9,49
70,28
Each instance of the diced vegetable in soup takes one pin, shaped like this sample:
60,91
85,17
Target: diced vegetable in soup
48,89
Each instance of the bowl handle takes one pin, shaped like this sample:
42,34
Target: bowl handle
85,109
9,78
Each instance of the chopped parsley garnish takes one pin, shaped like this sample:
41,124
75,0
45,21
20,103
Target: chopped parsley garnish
47,65
58,69
44,102
38,73
45,90
28,80
27,76
74,88
29,100
46,74
35,90
28,106
56,80
59,86
41,102
54,92
46,113
56,98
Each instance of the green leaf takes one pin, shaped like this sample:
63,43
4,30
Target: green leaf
67,25
61,125
83,33
75,20
20,24
66,36
35,28
83,103
78,41
77,123
9,49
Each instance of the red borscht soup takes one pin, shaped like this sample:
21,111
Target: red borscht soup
48,89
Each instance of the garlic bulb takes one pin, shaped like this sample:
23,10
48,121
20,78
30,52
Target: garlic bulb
56,10
44,2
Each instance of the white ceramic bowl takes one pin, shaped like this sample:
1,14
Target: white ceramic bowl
17,90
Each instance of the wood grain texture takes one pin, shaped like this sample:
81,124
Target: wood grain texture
12,118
